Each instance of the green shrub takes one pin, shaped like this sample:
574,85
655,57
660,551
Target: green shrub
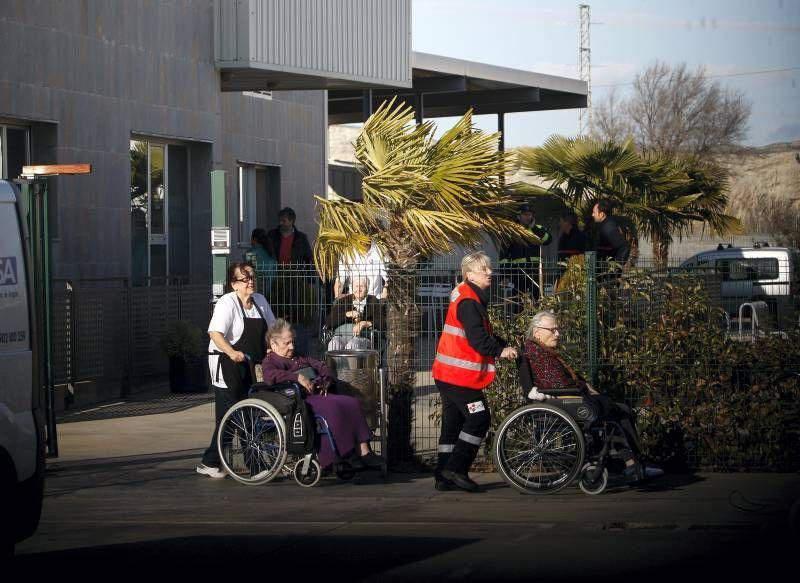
702,399
182,339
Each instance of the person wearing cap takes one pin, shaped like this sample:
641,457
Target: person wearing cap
521,258
290,245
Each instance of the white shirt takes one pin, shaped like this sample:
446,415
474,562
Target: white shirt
227,320
370,266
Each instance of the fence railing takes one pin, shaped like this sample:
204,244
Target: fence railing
107,331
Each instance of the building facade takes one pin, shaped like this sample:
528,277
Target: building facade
131,87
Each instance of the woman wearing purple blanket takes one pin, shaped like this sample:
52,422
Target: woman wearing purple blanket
343,413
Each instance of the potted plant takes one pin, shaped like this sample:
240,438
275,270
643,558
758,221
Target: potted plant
185,345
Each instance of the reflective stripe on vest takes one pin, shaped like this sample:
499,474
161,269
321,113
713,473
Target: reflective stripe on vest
456,362
453,330
461,363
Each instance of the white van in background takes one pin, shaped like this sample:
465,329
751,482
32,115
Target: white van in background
758,273
22,449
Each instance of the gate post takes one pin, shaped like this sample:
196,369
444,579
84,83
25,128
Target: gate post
591,316
34,190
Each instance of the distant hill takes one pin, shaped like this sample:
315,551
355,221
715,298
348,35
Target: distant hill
772,170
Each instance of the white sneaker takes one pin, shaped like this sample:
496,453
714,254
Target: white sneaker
215,473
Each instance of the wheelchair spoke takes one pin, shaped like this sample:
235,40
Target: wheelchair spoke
250,443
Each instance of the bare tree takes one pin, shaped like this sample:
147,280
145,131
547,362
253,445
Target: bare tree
610,121
676,111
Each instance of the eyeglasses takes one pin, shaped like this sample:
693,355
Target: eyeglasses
246,277
552,330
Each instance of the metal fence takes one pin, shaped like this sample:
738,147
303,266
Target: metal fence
107,331
107,334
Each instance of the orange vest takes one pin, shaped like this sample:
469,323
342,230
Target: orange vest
456,362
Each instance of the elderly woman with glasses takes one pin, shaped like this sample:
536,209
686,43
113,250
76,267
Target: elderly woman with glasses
549,371
240,320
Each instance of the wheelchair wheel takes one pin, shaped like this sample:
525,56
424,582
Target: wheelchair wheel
538,449
593,481
251,442
312,477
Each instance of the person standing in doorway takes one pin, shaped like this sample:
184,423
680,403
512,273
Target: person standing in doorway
290,245
262,257
294,288
462,368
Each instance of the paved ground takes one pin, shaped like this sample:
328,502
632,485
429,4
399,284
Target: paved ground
123,501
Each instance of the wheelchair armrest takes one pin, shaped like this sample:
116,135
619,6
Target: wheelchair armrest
276,388
565,392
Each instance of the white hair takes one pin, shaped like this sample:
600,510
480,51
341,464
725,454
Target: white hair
538,319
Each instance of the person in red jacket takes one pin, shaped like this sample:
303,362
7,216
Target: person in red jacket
462,368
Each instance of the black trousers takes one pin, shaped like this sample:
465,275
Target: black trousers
611,411
465,421
237,377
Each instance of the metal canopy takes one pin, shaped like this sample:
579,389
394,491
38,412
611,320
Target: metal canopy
447,87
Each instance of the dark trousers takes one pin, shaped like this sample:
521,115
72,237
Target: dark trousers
622,414
465,422
224,399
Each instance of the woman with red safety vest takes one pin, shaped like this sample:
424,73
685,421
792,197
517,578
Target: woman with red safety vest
463,367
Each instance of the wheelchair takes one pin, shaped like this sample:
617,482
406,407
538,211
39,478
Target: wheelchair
543,447
252,443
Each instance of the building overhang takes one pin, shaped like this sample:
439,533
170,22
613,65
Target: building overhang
447,87
246,76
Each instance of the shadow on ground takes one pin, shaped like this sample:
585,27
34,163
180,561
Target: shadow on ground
257,557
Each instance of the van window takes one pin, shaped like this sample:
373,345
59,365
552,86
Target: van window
748,269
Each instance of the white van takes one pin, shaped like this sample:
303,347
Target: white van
22,450
758,273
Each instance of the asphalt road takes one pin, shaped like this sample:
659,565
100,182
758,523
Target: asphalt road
149,516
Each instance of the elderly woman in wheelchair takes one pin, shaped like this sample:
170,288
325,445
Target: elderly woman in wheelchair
567,430
344,434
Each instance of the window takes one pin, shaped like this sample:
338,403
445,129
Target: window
159,211
748,269
259,199
14,150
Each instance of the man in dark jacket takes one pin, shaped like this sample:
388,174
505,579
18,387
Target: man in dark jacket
611,243
289,244
520,260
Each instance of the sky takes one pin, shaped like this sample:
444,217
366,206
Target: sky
750,46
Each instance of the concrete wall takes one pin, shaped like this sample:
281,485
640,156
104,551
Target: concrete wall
87,74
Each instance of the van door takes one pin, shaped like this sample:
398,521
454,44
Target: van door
22,479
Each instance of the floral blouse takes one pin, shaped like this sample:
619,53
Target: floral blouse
548,370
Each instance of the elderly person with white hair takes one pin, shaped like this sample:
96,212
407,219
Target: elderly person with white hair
462,368
352,317
549,371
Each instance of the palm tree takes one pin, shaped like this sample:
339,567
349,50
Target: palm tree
421,197
657,195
